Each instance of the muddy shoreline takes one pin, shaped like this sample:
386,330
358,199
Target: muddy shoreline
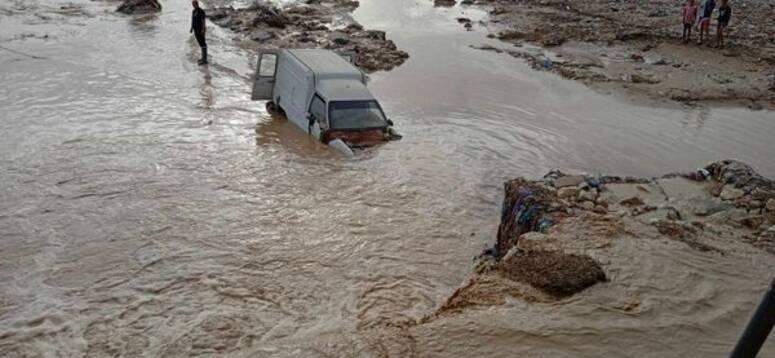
636,49
544,223
568,240
311,24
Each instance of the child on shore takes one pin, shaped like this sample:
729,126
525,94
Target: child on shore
703,24
724,15
689,17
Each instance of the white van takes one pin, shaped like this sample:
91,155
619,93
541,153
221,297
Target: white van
324,94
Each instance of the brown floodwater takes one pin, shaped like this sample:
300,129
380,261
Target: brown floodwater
149,208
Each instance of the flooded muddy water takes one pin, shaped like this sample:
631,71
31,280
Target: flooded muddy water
149,208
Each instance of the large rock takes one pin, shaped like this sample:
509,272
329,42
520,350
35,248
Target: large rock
567,192
139,6
633,201
555,273
637,78
705,206
740,175
588,195
261,35
570,180
339,38
376,35
771,204
766,240
587,205
444,3
731,193
270,16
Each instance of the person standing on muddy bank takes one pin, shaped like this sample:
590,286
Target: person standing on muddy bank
689,15
703,25
724,15
199,28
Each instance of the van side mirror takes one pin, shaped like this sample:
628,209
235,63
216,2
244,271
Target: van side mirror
390,122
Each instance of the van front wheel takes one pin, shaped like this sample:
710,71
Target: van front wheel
271,108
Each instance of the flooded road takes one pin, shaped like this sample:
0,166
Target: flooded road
150,208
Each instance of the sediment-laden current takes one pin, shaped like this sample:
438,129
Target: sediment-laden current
149,208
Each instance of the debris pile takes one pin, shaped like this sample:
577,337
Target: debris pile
444,3
315,24
139,6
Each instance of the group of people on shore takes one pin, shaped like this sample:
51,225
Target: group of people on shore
698,16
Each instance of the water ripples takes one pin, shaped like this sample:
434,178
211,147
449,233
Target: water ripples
150,208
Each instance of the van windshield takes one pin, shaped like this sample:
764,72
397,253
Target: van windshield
356,115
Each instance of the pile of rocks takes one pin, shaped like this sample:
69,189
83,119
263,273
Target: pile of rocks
316,24
727,199
444,3
139,6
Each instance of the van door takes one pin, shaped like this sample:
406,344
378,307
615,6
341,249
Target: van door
317,117
266,71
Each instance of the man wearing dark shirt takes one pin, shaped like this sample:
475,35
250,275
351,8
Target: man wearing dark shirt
199,28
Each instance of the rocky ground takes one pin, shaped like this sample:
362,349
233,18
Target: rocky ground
547,226
314,24
639,260
635,48
139,6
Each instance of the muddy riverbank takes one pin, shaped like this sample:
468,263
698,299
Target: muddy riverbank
548,220
606,243
635,48
314,24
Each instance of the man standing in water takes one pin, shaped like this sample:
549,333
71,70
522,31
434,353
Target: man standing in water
199,28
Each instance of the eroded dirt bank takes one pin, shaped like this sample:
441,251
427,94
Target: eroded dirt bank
621,251
636,48
545,222
311,24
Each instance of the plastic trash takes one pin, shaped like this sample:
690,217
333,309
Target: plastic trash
548,63
545,224
594,182
491,251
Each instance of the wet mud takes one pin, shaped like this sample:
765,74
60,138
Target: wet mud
636,49
314,24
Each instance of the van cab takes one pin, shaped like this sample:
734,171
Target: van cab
324,94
